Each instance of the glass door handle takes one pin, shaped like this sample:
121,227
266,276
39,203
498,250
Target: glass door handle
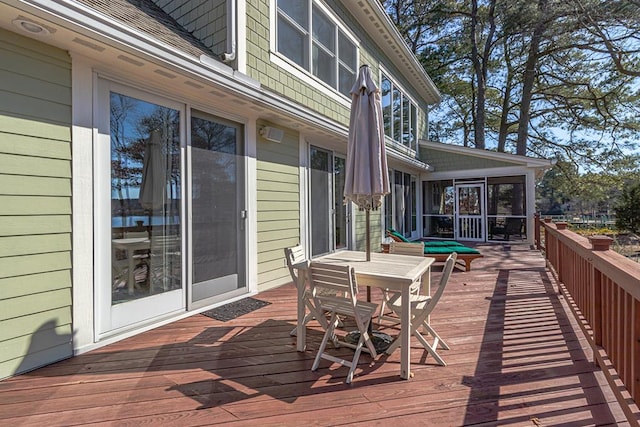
243,217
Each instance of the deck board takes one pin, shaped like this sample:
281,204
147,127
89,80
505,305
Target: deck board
517,358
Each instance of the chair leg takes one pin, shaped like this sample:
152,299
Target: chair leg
329,333
382,315
383,305
437,340
354,361
313,314
365,340
421,320
430,349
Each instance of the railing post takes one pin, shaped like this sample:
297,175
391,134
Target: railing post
536,230
561,267
600,243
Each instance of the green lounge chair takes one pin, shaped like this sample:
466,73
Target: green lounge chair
441,249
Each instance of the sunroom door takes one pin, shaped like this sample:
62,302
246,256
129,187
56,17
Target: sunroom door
217,210
470,205
138,223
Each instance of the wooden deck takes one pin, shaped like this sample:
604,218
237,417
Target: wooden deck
517,358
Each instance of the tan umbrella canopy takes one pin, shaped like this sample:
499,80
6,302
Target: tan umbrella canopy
367,175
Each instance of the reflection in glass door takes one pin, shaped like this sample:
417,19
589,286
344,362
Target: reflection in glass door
143,224
321,162
217,206
470,203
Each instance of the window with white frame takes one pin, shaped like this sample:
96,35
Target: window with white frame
400,114
401,204
311,38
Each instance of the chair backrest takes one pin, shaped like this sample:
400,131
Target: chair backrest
444,279
403,248
390,232
513,225
293,256
333,279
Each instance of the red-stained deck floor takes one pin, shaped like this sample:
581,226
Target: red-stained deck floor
517,358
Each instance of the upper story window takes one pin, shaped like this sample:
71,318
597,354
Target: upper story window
400,114
312,39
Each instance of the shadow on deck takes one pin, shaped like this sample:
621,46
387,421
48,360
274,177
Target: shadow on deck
517,358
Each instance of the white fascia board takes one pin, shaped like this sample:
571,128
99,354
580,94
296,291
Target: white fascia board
530,162
408,161
478,173
86,21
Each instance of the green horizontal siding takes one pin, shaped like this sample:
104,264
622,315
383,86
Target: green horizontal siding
21,165
34,283
28,324
278,207
37,342
39,263
34,303
34,224
20,133
35,204
24,245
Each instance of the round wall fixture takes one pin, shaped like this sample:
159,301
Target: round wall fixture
31,27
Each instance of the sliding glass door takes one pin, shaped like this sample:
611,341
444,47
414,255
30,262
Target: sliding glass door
170,209
138,208
330,218
217,206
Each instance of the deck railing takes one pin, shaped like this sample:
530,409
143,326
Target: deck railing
603,290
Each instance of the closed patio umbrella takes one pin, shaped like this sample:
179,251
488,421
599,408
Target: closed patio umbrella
367,176
153,189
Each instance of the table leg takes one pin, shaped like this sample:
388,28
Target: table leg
131,279
405,335
301,333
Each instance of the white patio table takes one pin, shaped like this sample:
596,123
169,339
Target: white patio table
390,271
131,245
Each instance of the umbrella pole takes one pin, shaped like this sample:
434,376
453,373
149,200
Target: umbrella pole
368,248
368,236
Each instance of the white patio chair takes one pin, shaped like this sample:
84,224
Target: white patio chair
294,256
399,248
342,281
421,308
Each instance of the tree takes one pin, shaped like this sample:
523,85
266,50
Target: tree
554,78
628,209
555,190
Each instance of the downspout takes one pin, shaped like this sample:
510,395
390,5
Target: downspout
230,54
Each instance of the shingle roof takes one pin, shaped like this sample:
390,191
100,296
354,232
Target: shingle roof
146,17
